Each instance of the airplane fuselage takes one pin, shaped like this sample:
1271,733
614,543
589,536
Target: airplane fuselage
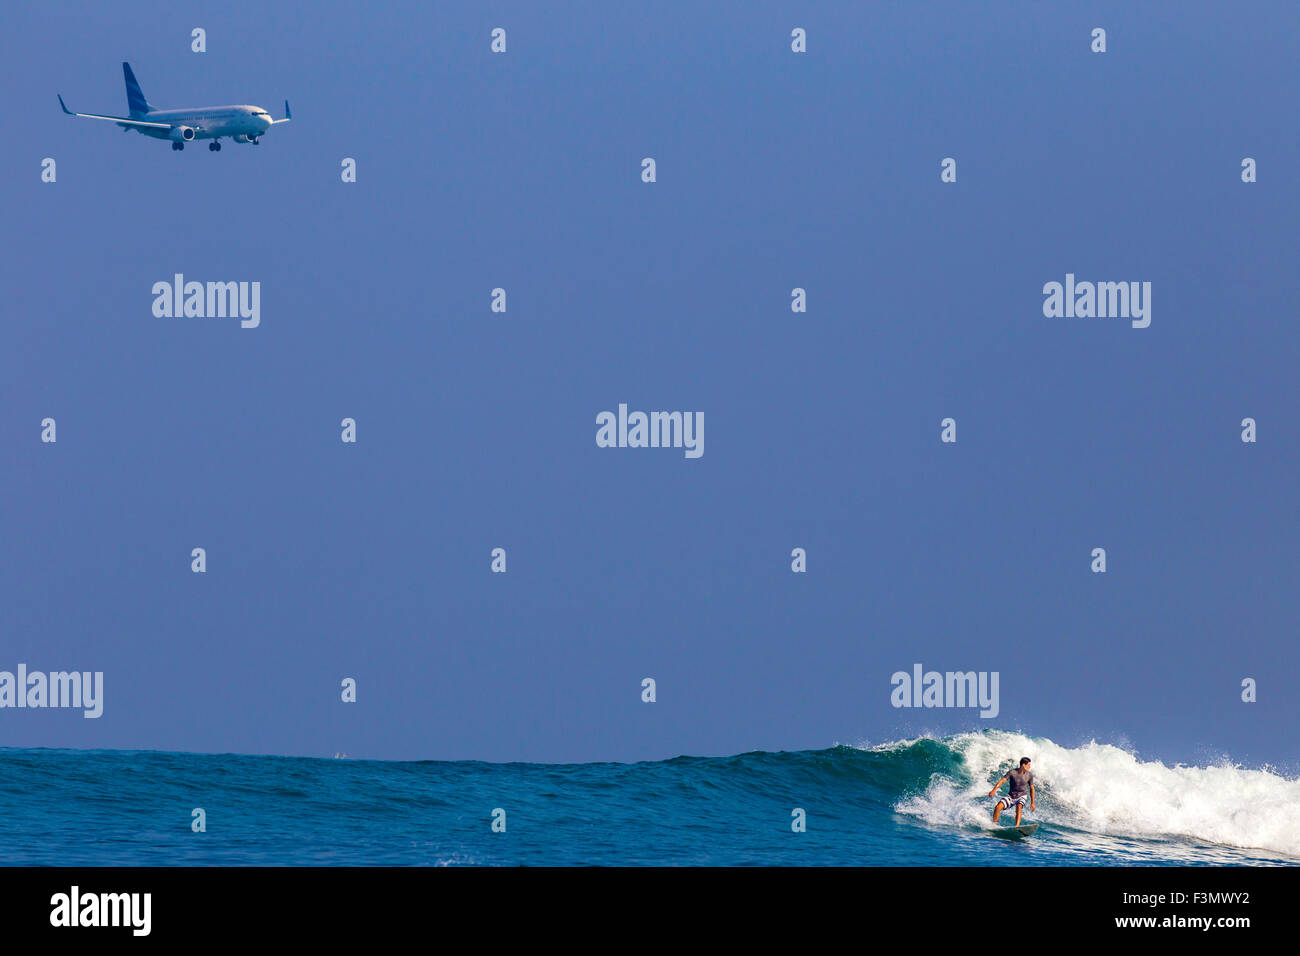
209,122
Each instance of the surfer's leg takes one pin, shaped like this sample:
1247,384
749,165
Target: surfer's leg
1019,807
996,811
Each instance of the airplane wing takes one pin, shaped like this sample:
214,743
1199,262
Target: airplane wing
287,115
122,120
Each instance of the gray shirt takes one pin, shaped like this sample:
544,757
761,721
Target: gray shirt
1020,781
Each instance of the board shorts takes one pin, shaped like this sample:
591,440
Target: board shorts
1009,802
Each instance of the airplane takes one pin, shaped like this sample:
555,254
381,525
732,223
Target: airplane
243,124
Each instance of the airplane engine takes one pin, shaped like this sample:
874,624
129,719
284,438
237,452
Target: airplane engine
242,138
182,134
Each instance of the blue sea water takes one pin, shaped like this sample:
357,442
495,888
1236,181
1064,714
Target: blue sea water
920,802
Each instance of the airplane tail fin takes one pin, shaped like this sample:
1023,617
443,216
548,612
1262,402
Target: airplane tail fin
136,104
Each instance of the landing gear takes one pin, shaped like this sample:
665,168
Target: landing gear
178,146
255,140
215,146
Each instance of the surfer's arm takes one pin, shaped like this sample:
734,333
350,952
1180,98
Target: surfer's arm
994,791
1031,797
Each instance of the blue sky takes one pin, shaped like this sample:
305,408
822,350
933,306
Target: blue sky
477,430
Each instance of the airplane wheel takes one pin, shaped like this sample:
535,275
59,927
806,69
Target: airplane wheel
178,146
214,146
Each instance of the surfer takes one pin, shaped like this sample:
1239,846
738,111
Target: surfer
1021,782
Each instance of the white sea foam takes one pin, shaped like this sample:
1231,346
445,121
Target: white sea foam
1104,789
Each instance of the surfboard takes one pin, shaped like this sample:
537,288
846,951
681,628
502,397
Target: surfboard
1014,833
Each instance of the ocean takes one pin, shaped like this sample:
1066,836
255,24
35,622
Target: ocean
919,802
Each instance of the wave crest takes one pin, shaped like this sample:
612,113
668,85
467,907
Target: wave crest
1107,790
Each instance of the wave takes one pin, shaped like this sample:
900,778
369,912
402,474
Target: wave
908,802
1105,790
